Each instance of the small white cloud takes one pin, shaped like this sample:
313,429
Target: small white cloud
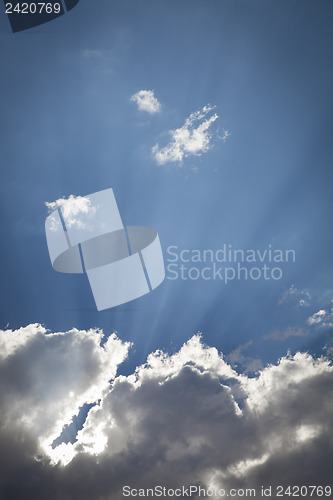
193,138
75,210
317,317
146,101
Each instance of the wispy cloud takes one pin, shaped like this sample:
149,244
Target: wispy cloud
323,317
293,294
93,53
225,135
146,101
248,364
285,334
193,138
317,317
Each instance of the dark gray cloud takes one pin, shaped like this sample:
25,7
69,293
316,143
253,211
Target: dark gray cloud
179,420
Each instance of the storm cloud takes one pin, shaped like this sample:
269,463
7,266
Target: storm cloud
183,419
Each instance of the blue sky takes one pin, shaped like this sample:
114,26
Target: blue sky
69,126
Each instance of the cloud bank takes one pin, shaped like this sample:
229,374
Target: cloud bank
182,419
193,138
146,101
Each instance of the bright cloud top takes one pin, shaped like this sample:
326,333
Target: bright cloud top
193,138
177,419
146,101
75,210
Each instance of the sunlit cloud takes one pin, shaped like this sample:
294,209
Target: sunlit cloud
317,317
76,211
146,101
192,139
323,317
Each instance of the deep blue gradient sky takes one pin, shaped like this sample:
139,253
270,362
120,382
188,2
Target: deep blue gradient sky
68,127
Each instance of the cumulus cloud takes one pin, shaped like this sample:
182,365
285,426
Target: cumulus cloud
76,211
193,138
46,377
146,101
182,419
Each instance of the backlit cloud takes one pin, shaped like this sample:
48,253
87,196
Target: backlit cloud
178,420
46,377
